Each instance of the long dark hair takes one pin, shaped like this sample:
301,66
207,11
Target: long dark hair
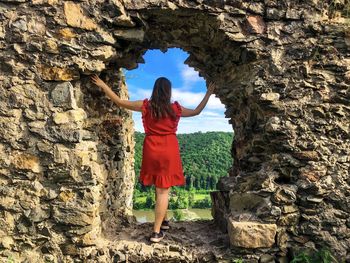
160,99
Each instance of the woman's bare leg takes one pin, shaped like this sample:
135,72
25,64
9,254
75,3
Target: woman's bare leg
166,211
161,207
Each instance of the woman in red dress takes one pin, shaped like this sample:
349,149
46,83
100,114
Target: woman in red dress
161,161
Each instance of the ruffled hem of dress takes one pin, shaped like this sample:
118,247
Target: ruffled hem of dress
149,180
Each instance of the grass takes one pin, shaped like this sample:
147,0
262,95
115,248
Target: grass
199,196
323,255
142,199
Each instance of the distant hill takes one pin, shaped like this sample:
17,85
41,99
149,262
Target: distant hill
205,157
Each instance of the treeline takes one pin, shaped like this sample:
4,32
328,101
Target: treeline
205,158
179,198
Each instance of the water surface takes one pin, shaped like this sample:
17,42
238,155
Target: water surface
143,216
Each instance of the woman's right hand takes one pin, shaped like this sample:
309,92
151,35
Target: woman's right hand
211,87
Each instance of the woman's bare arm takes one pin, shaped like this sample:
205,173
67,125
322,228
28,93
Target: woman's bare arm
189,112
128,104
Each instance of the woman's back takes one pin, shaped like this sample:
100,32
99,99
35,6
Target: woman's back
162,126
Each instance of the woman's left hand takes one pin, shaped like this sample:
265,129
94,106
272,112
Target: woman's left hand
99,82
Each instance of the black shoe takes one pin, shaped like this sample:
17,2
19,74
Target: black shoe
156,237
165,225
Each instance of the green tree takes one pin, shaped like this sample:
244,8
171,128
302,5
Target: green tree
203,203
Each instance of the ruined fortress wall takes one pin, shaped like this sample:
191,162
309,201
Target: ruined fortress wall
66,151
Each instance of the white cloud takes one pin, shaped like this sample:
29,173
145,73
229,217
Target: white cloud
187,98
207,113
202,122
215,103
137,93
192,99
188,75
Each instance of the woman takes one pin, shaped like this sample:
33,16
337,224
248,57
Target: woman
161,162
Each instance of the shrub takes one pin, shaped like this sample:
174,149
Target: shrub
178,215
321,256
150,200
204,203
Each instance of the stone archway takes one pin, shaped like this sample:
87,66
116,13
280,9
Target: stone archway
283,74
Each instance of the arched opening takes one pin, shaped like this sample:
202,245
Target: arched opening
204,140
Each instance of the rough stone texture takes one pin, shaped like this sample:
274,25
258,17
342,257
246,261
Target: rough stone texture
66,167
186,242
251,234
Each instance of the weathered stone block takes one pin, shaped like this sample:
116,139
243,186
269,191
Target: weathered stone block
289,219
66,133
289,209
131,34
267,259
63,95
57,73
72,216
293,13
76,18
285,195
67,33
124,20
256,24
6,242
37,214
103,53
250,207
274,13
26,161
251,234
271,96
69,116
88,65
8,203
246,202
51,46
273,124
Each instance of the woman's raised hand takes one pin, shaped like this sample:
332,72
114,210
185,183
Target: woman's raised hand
99,82
211,87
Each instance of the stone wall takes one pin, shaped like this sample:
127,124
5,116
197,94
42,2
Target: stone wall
66,168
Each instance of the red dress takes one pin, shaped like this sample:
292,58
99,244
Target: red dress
161,161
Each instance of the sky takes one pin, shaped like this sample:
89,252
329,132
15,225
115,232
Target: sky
188,88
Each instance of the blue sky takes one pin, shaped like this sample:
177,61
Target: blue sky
187,88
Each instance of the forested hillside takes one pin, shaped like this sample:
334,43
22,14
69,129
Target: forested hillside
205,157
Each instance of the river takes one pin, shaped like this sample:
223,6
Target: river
143,216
